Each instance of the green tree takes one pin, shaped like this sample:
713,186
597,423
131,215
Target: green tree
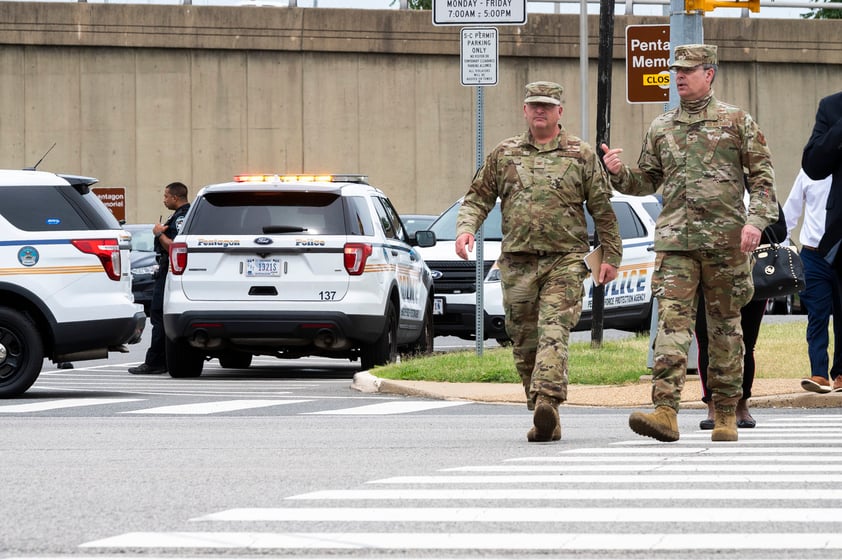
417,4
824,13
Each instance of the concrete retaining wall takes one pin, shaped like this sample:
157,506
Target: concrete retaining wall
139,96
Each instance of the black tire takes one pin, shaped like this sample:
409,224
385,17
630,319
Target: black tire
424,345
183,360
385,349
21,353
235,360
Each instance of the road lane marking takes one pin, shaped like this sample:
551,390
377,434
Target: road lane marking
59,404
590,494
476,541
658,479
533,515
213,407
392,407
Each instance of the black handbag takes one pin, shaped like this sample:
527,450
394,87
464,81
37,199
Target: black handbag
776,270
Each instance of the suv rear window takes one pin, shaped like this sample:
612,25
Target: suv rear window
53,208
261,212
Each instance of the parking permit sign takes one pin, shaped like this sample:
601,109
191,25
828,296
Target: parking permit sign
479,12
478,54
647,63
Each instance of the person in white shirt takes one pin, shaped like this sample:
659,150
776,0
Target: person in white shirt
821,295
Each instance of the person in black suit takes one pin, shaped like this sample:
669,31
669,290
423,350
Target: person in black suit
822,157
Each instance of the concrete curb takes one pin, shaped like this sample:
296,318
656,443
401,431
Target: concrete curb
364,382
626,396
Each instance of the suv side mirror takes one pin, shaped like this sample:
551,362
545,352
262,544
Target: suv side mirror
425,238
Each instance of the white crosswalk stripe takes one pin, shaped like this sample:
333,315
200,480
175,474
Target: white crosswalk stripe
478,541
214,407
205,408
59,404
393,407
686,504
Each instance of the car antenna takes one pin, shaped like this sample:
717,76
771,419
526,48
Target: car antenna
34,167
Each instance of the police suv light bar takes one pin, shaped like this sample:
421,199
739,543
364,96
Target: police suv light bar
275,178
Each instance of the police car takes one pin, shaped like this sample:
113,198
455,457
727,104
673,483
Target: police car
65,281
295,266
628,299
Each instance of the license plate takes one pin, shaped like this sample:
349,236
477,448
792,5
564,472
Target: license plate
438,306
263,267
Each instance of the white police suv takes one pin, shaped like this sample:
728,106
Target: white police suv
628,299
294,266
65,281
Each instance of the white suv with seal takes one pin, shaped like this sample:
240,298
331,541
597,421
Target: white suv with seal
65,280
628,299
295,266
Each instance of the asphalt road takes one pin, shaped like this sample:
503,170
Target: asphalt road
286,460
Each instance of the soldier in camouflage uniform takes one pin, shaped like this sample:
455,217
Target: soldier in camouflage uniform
544,178
701,156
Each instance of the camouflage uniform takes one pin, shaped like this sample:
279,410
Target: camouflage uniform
543,190
702,163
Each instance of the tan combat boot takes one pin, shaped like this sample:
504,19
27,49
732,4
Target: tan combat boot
661,424
547,426
725,426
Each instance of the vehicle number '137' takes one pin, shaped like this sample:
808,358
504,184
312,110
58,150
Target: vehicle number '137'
327,295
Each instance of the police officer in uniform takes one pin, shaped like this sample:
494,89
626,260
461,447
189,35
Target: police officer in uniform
544,178
702,156
175,198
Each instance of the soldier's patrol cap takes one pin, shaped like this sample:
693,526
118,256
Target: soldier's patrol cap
543,92
688,56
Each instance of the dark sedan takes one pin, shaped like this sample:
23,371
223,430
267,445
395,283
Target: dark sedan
144,264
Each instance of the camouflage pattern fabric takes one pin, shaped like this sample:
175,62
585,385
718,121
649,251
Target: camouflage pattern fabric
697,162
725,276
702,163
542,297
542,190
688,56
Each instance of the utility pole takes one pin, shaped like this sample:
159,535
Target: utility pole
603,125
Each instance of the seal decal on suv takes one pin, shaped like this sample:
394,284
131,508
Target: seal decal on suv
28,256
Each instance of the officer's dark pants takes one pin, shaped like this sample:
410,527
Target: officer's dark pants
156,355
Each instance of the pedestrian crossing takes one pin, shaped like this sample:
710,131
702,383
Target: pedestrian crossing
214,407
756,498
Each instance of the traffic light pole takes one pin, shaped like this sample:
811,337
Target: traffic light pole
685,29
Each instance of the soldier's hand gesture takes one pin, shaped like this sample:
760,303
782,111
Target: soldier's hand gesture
611,158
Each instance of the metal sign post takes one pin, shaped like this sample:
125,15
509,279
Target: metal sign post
478,62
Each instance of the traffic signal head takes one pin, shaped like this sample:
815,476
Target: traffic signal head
710,5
